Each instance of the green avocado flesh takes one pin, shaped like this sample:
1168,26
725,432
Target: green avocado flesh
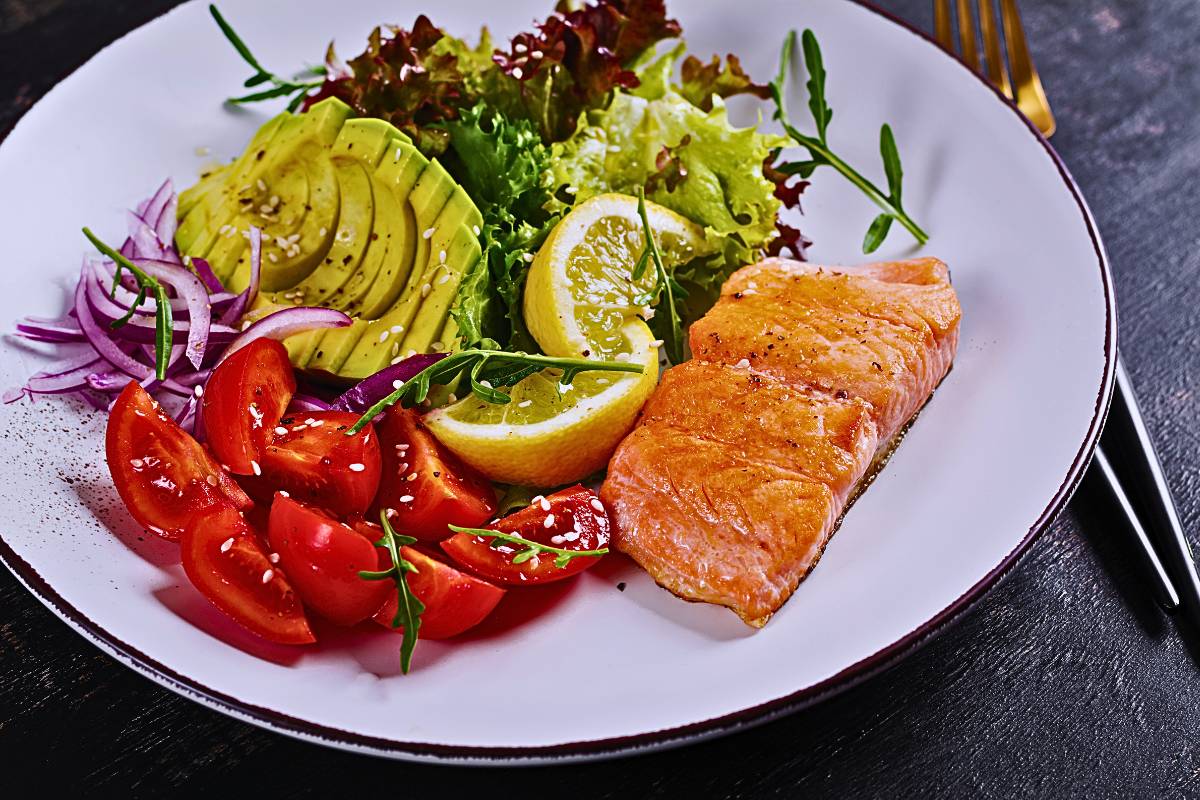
353,218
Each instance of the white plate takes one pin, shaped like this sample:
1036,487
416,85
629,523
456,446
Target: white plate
599,672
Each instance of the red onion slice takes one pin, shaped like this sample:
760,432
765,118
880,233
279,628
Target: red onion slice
288,322
373,388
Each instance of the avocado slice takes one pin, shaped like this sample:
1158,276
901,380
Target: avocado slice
453,234
354,217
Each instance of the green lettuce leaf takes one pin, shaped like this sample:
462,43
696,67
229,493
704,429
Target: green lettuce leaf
505,168
688,159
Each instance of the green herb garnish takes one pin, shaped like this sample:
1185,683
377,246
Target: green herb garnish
281,87
164,322
409,608
820,153
664,284
486,369
562,556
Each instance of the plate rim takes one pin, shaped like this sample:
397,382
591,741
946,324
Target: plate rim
666,738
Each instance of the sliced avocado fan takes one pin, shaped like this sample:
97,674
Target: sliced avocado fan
355,218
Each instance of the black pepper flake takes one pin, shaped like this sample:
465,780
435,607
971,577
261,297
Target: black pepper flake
621,586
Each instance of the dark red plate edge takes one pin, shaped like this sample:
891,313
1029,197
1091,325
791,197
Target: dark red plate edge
670,737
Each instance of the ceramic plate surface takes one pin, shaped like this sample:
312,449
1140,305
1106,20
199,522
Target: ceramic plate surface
599,671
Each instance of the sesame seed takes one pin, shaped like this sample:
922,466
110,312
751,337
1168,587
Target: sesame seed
437,347
268,575
443,279
322,232
556,539
544,503
412,477
488,384
136,462
537,54
536,500
395,349
257,469
273,558
397,384
428,233
410,354
475,229
408,498
549,521
528,257
282,493
397,360
397,329
262,186
211,480
596,504
199,391
310,421
657,343
401,447
743,364
519,48
442,256
425,290
383,337
227,545
452,398
525,404
281,431
274,258
356,467
602,381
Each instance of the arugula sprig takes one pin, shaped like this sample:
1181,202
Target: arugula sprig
562,556
164,322
280,87
486,369
409,608
820,153
664,285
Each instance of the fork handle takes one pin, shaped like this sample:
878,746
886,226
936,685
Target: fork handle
1136,464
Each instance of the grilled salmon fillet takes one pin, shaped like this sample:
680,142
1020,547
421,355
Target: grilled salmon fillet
745,458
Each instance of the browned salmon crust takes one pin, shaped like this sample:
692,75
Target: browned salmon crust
744,458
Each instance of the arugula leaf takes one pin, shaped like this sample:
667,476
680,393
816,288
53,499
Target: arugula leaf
281,87
562,556
504,167
817,104
409,607
821,154
486,370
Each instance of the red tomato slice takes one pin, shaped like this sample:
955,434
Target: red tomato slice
243,402
423,486
313,459
576,521
223,558
324,557
454,601
163,475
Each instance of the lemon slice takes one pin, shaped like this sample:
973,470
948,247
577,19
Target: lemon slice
580,292
550,435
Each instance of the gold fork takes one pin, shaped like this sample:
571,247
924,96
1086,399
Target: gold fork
1025,87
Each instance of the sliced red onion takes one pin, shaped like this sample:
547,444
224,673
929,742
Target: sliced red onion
373,388
191,289
71,381
205,273
307,402
288,322
100,341
247,298
58,332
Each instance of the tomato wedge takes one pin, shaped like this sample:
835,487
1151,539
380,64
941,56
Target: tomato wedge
162,474
243,402
572,519
223,558
454,601
423,486
313,459
324,557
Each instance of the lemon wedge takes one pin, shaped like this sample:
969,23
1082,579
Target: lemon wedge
550,434
580,302
580,290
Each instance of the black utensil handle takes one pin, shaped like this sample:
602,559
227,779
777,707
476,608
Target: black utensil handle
1164,590
1135,463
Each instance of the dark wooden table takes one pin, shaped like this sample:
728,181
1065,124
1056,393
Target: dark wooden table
1065,680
